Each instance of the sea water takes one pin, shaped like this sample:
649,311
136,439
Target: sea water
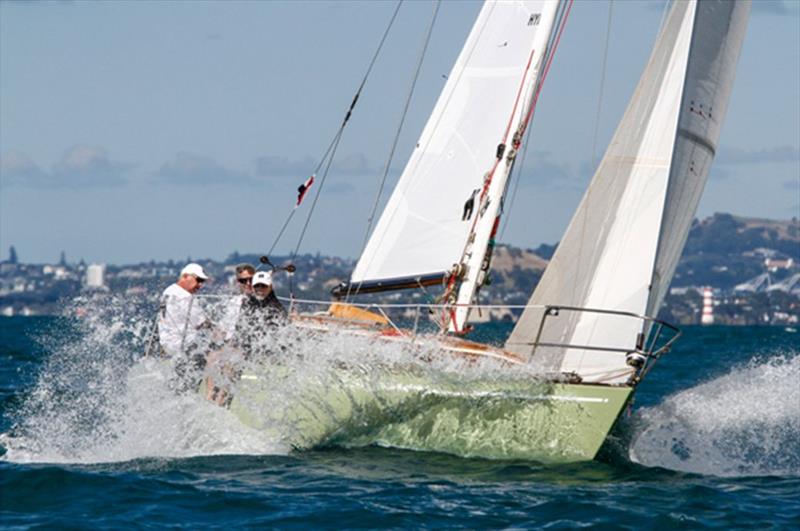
93,436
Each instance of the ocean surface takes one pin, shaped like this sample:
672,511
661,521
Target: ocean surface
712,441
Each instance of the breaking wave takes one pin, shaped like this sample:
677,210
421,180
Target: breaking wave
745,423
97,399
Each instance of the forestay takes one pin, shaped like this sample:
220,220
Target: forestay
427,220
620,249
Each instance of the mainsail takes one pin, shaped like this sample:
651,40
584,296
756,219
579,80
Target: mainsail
431,215
623,243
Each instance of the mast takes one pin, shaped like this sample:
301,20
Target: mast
476,259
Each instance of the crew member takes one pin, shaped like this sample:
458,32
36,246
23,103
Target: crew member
244,279
180,320
260,312
220,365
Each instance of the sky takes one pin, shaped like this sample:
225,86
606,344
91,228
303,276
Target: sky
142,130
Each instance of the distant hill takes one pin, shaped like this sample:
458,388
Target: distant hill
723,234
724,250
721,251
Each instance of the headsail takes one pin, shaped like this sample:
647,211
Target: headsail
620,249
426,223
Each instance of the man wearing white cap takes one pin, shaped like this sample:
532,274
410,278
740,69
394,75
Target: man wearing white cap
180,317
261,310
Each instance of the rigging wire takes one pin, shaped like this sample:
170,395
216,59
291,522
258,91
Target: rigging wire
507,218
603,70
388,164
330,152
458,75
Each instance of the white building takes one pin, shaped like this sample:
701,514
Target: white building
94,276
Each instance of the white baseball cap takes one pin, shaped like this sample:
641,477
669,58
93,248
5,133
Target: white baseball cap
194,269
262,277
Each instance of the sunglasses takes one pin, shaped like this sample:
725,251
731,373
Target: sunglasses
198,279
244,280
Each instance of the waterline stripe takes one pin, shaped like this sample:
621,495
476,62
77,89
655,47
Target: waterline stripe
494,394
475,394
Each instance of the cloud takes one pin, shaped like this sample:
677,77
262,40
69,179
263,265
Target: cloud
791,185
16,168
776,7
276,166
81,166
761,7
355,165
188,169
339,188
541,171
732,156
41,3
719,172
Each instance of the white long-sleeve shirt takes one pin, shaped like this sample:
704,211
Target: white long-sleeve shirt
179,312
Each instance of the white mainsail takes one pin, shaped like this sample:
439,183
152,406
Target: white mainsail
427,221
621,247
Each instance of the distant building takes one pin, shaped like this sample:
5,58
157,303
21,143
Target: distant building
773,264
56,271
95,274
707,317
761,251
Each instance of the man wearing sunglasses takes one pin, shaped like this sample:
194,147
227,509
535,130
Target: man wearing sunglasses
180,320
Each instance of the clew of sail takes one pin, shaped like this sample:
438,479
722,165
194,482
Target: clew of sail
426,224
621,247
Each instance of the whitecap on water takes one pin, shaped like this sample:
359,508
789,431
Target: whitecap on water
97,400
744,423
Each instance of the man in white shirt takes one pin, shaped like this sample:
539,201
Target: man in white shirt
179,322
180,317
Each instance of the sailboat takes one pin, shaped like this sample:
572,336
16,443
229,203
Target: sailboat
590,324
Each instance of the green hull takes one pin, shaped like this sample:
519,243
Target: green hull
490,418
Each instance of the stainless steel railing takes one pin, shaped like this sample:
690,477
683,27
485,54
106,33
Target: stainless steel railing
655,337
